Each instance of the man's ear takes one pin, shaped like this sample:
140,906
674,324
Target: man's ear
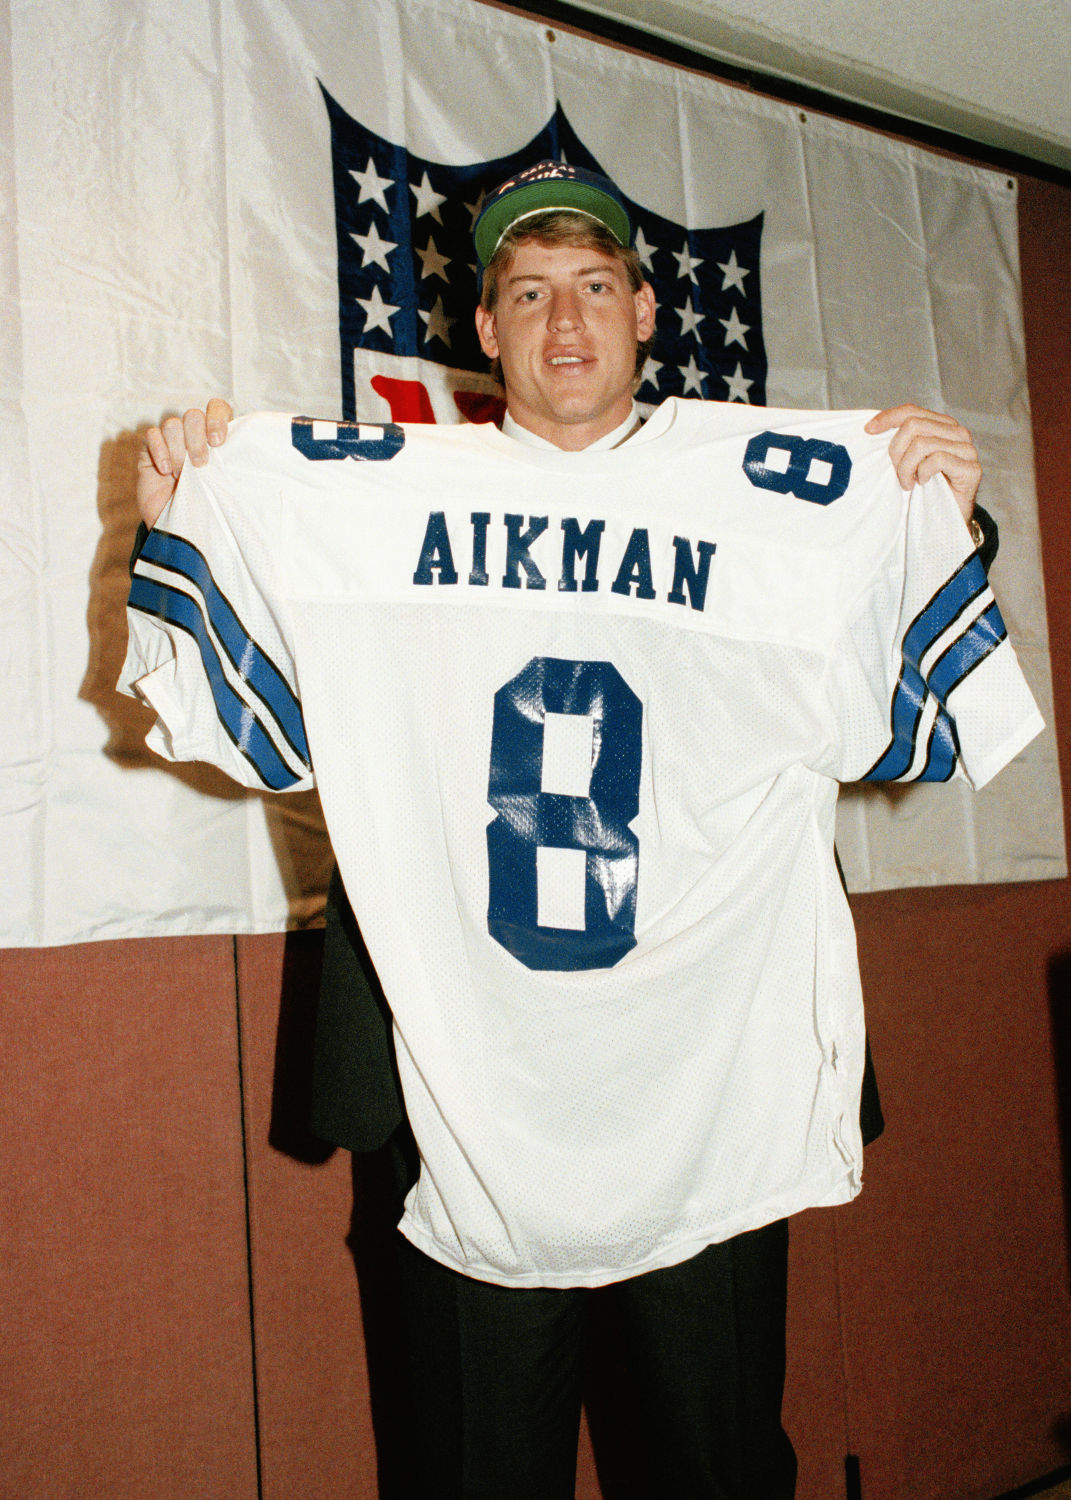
645,312
486,332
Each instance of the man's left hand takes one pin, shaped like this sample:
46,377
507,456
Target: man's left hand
926,443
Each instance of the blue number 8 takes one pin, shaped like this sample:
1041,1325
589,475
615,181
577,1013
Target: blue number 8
530,819
795,477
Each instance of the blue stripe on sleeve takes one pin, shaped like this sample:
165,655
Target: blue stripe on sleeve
949,601
952,666
248,659
984,636
942,751
907,705
236,716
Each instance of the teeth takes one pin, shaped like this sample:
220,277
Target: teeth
567,359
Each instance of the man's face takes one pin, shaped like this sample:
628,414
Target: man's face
565,328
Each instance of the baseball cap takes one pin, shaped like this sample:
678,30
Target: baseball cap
548,186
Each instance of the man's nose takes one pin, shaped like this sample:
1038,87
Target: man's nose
565,310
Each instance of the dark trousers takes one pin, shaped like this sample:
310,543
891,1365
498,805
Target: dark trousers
499,1373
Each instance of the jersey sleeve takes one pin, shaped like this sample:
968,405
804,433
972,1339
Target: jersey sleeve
206,649
925,682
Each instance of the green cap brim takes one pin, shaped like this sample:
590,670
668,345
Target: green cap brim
547,197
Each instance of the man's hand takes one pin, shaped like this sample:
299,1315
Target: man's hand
926,443
167,447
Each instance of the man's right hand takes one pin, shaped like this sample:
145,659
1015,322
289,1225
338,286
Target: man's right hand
167,447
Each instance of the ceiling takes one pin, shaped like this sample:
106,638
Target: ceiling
995,72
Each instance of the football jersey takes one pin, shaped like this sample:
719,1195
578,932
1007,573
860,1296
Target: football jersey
577,721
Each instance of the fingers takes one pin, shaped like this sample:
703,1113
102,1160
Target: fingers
189,436
925,443
156,482
167,447
964,475
918,453
217,414
197,432
154,452
894,416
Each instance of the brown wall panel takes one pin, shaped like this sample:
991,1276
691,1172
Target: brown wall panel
313,1386
814,1404
954,1266
815,1412
587,1474
126,1369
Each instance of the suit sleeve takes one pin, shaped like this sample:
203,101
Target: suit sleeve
206,648
357,1096
925,682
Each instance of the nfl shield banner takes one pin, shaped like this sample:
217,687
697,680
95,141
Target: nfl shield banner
273,200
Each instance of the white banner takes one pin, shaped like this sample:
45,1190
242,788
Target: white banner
187,212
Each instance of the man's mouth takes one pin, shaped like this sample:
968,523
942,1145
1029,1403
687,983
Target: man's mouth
567,359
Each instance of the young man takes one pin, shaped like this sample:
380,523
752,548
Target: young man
578,694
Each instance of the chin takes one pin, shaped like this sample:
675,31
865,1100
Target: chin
576,416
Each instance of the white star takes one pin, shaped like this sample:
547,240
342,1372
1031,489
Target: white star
685,264
738,386
734,329
693,376
476,209
379,313
375,249
690,319
432,263
644,250
427,199
734,273
649,373
372,185
439,325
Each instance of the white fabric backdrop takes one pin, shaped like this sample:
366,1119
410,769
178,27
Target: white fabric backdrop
168,233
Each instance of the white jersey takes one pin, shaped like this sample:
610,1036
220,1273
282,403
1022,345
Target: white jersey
577,722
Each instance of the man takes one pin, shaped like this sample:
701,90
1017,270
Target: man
626,1008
